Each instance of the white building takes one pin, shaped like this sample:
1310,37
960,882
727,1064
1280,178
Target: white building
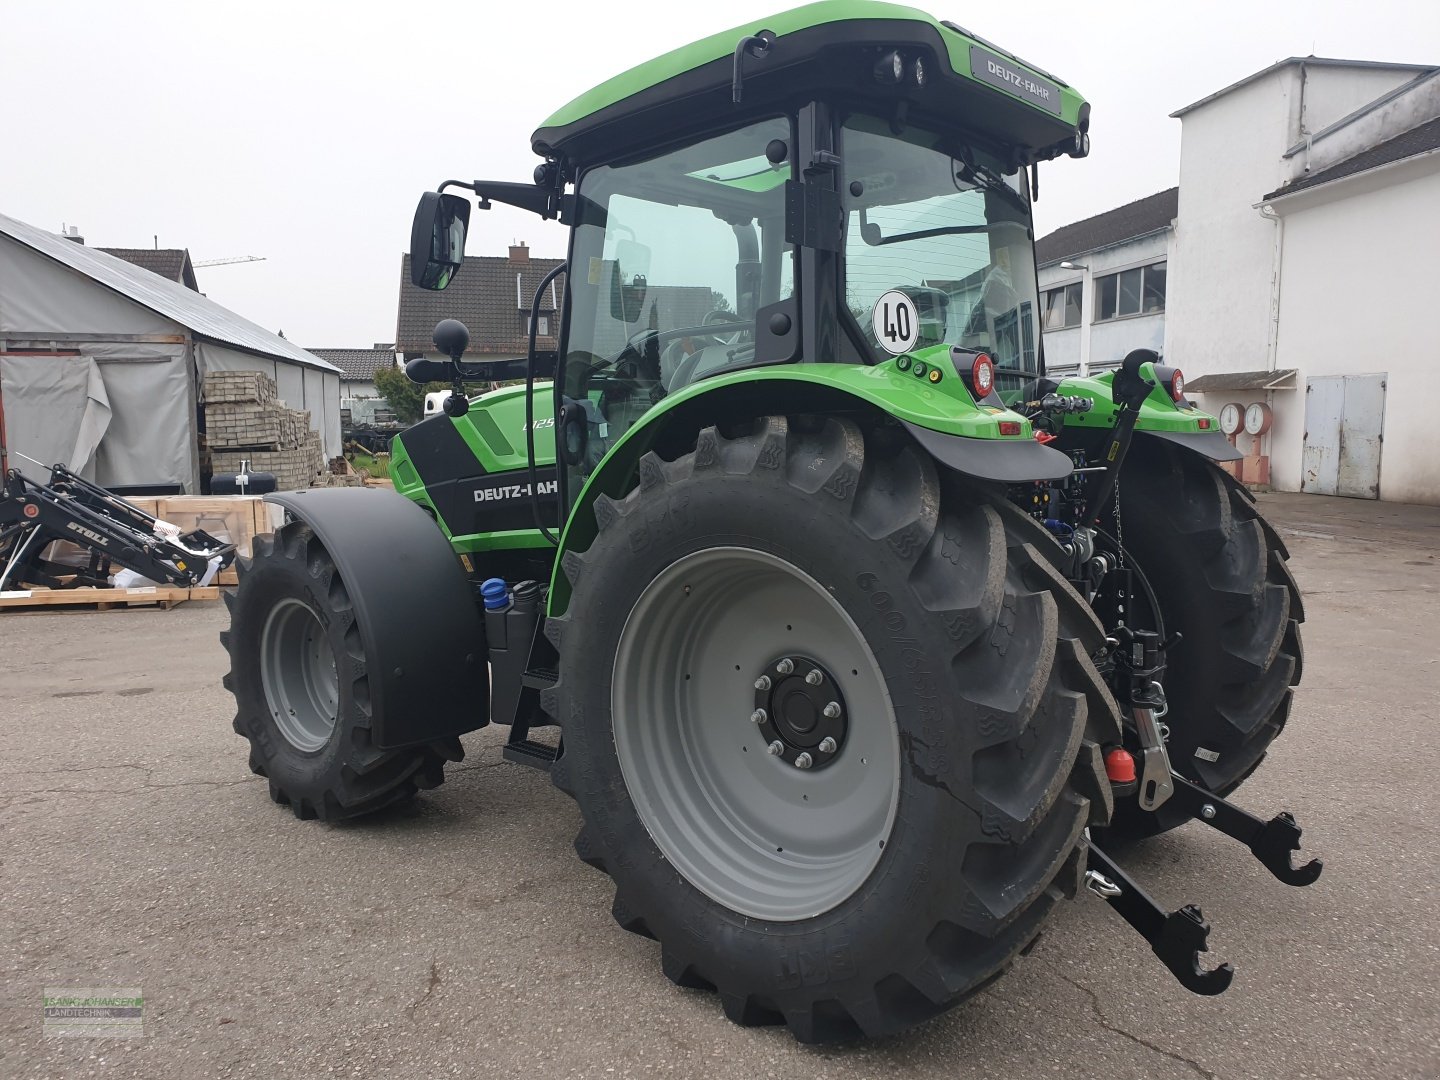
1304,259
1298,269
1103,285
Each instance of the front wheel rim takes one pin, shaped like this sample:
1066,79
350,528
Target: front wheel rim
747,827
299,676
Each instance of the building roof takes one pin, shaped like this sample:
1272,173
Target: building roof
357,365
1418,140
202,316
173,264
1308,61
1129,222
485,296
1280,379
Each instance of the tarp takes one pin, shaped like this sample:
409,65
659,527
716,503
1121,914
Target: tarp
149,342
56,411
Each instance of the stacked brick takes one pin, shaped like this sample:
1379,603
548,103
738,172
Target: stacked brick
246,421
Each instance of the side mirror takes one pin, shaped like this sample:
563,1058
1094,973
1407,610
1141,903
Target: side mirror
437,239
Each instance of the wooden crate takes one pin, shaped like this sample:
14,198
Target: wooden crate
162,596
229,518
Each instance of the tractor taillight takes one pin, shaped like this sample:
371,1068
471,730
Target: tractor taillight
982,376
1009,427
1177,385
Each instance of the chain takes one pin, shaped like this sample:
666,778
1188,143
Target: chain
1119,529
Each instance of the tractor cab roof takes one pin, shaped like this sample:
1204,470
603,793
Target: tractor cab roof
841,51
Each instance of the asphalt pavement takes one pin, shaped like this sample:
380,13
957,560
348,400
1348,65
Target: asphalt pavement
460,935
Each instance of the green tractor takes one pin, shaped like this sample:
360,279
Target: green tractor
853,631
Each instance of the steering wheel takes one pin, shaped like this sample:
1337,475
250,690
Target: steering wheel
676,354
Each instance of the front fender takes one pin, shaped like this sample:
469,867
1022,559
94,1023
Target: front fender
942,416
419,626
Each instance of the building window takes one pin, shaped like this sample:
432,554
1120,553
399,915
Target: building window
542,325
1062,307
1138,291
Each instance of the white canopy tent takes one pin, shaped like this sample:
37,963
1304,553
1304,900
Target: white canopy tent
102,364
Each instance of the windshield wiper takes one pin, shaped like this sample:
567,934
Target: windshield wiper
991,181
870,232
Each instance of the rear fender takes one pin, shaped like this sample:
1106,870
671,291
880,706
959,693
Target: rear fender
943,419
419,625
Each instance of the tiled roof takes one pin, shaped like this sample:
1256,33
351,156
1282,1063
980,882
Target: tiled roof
1415,141
357,365
1139,218
173,264
484,296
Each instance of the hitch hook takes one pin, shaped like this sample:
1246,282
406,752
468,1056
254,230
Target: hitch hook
1176,937
1273,842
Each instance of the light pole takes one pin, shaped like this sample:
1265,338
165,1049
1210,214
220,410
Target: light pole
1085,298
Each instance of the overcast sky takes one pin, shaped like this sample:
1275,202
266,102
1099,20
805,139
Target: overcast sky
304,131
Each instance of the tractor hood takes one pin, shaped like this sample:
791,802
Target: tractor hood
838,50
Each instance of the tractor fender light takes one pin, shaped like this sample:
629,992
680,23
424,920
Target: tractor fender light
1009,427
1204,423
1177,385
982,376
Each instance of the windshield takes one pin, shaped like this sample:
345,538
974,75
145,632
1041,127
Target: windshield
943,225
673,256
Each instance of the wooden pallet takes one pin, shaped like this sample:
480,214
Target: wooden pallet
162,596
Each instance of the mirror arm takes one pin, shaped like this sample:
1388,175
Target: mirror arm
537,200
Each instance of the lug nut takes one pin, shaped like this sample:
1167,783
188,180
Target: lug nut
803,761
784,667
832,710
776,748
758,716
827,745
814,678
762,683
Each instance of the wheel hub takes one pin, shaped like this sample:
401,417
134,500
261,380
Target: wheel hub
798,705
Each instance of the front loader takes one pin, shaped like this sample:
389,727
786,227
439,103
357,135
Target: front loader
852,631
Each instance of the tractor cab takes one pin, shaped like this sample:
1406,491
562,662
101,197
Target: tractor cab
845,183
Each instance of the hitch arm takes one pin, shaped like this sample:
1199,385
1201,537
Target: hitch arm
1272,842
1176,937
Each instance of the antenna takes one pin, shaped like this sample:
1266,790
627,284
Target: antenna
232,259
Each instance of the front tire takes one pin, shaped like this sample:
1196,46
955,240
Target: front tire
299,676
873,890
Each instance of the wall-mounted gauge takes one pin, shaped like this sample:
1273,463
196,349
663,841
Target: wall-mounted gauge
1232,416
1258,418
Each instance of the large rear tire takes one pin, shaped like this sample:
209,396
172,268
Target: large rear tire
299,675
1218,570
907,867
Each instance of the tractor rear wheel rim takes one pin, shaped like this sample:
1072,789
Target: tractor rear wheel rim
298,673
747,827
